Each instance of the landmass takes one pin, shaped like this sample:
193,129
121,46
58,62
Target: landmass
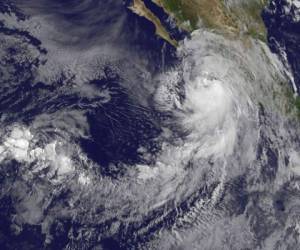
232,17
139,8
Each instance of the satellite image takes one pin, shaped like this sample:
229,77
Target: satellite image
149,125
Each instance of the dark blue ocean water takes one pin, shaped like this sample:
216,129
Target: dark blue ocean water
284,34
117,128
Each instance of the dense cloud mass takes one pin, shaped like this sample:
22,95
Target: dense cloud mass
100,150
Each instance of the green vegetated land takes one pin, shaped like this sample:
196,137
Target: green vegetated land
235,17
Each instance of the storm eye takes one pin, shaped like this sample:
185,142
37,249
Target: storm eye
279,205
